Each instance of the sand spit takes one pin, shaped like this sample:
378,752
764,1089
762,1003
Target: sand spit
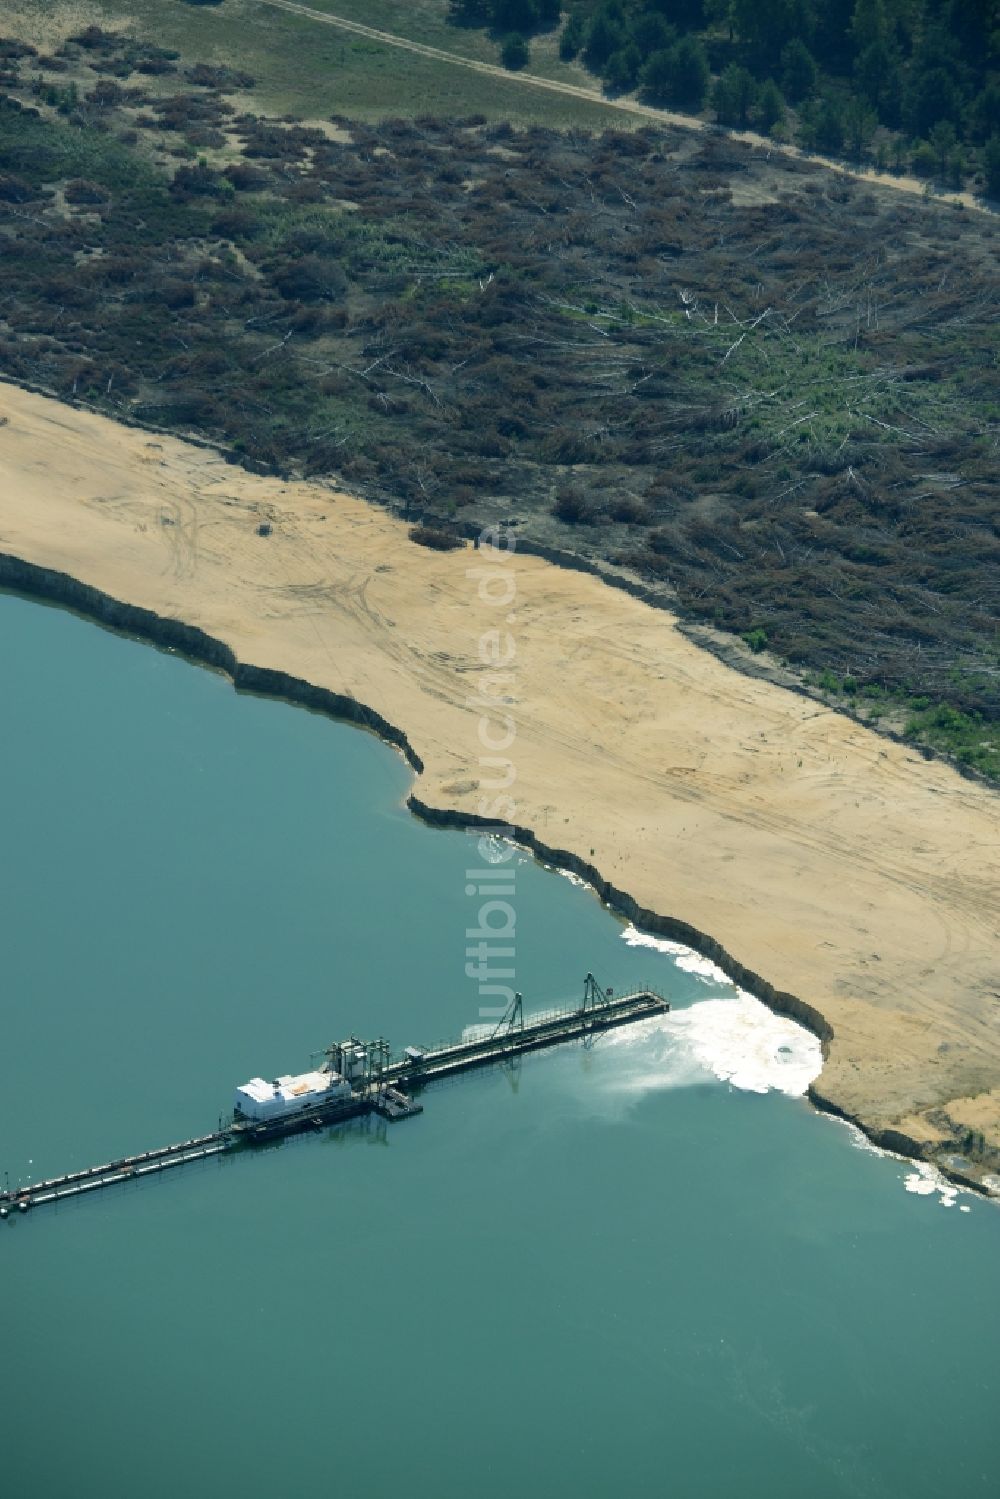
837,875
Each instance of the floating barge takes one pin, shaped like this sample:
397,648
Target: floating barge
357,1078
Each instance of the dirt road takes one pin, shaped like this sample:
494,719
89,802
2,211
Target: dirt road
625,104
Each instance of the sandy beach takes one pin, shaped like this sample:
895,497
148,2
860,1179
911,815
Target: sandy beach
839,867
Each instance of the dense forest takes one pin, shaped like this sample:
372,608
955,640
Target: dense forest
905,83
764,388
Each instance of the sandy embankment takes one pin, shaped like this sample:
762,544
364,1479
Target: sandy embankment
840,868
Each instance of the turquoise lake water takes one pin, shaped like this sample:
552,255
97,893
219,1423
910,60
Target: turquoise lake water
610,1272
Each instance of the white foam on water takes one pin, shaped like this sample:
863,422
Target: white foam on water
496,850
684,957
736,1040
574,879
859,1139
926,1181
740,1041
921,1178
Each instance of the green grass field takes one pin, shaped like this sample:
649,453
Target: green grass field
312,70
426,21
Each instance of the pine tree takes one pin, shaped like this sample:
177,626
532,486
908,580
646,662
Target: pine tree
991,166
877,77
984,115
677,75
767,25
829,127
514,17
734,95
770,106
657,76
859,125
651,33
931,96
572,36
868,24
798,75
691,74
606,35
943,141
622,69
515,53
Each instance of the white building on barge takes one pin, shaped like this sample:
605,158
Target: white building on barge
258,1099
288,1095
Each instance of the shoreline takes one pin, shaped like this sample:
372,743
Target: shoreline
37,584
725,648
159,540
29,581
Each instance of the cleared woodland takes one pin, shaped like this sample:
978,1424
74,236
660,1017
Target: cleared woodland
762,387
